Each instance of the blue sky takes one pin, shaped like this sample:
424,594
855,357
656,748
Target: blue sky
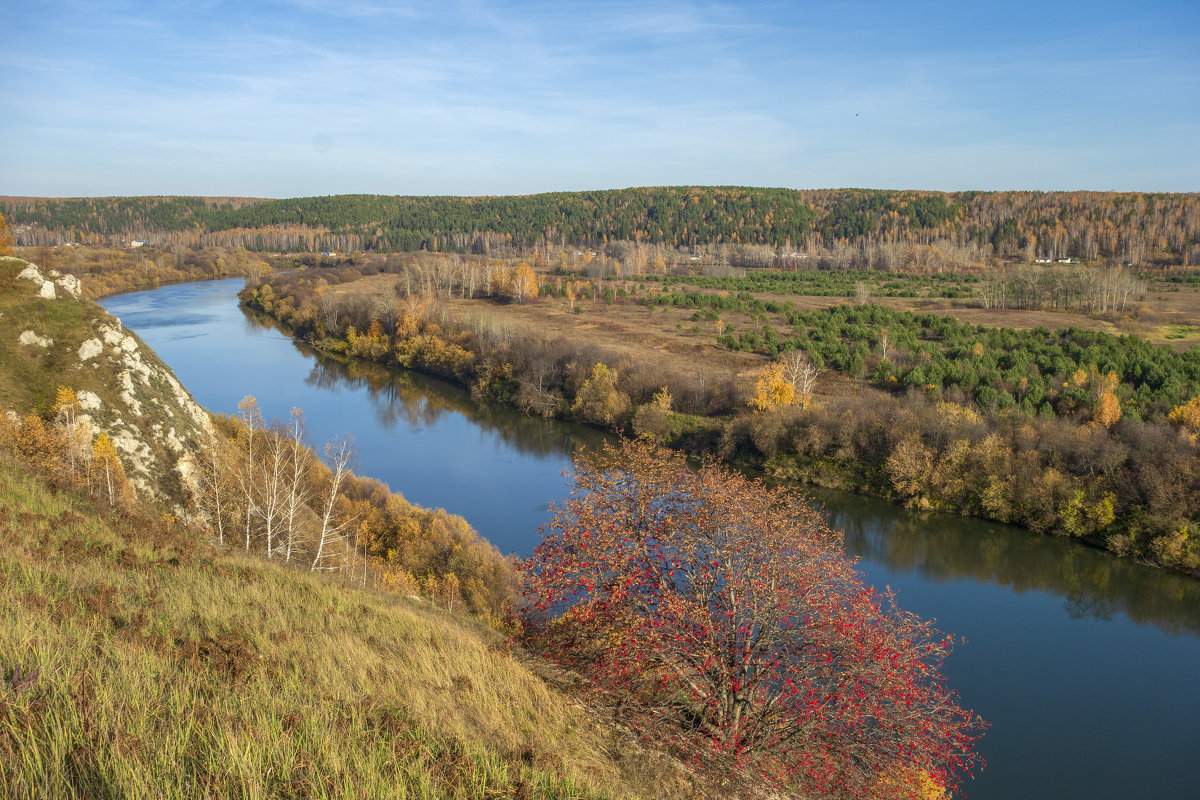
307,97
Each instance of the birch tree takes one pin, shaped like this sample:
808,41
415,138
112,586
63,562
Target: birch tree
333,526
802,374
298,490
251,417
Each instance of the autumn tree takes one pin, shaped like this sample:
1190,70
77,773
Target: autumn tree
653,420
724,621
6,239
114,486
598,399
524,283
802,374
772,389
1107,410
1187,416
77,438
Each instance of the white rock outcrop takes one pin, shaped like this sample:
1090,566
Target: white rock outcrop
34,276
90,349
71,285
29,339
151,419
46,285
89,401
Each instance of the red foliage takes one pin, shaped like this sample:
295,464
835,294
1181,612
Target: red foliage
723,620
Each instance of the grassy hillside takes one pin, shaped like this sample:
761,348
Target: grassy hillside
141,663
137,660
50,336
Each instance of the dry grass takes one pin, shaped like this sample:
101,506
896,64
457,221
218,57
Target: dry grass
684,346
165,669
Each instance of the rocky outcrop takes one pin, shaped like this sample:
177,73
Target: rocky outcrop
124,390
47,285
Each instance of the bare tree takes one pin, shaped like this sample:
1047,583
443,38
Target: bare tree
802,374
297,480
862,292
252,418
271,483
885,343
333,529
215,478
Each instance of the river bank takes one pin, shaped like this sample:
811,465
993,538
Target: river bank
1081,662
1131,487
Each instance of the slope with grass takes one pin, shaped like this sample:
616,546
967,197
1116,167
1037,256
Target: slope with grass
139,662
51,336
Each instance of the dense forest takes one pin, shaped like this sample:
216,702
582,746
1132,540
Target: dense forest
1126,227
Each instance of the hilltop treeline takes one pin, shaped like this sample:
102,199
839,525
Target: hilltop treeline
1128,227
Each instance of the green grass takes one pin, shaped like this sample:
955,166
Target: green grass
1175,332
30,376
166,669
28,379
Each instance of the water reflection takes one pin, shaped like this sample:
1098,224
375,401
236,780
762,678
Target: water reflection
1083,663
402,397
940,547
943,547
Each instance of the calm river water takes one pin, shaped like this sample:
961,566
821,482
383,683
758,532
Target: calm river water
1086,667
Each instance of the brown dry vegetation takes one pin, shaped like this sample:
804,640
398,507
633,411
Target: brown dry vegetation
1169,315
1118,471
140,662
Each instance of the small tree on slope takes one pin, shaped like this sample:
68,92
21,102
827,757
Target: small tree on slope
723,621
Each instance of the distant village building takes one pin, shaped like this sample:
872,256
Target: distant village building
138,243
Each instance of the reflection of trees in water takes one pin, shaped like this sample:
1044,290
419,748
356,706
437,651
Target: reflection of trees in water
943,548
939,547
401,396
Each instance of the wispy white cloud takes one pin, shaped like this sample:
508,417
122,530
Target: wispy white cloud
225,97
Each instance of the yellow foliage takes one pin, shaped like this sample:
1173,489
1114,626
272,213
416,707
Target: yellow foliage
1079,379
114,486
1175,549
959,413
407,326
772,389
1078,518
524,283
1107,410
598,399
652,421
909,467
1188,415
65,400
372,345
6,240
911,784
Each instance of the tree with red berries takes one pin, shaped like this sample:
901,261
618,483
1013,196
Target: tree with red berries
723,621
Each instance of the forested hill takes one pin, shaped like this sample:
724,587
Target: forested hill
1129,227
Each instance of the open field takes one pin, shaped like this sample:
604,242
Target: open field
685,342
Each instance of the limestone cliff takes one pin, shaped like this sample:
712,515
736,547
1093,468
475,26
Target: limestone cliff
51,336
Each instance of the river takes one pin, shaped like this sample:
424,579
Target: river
1085,666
